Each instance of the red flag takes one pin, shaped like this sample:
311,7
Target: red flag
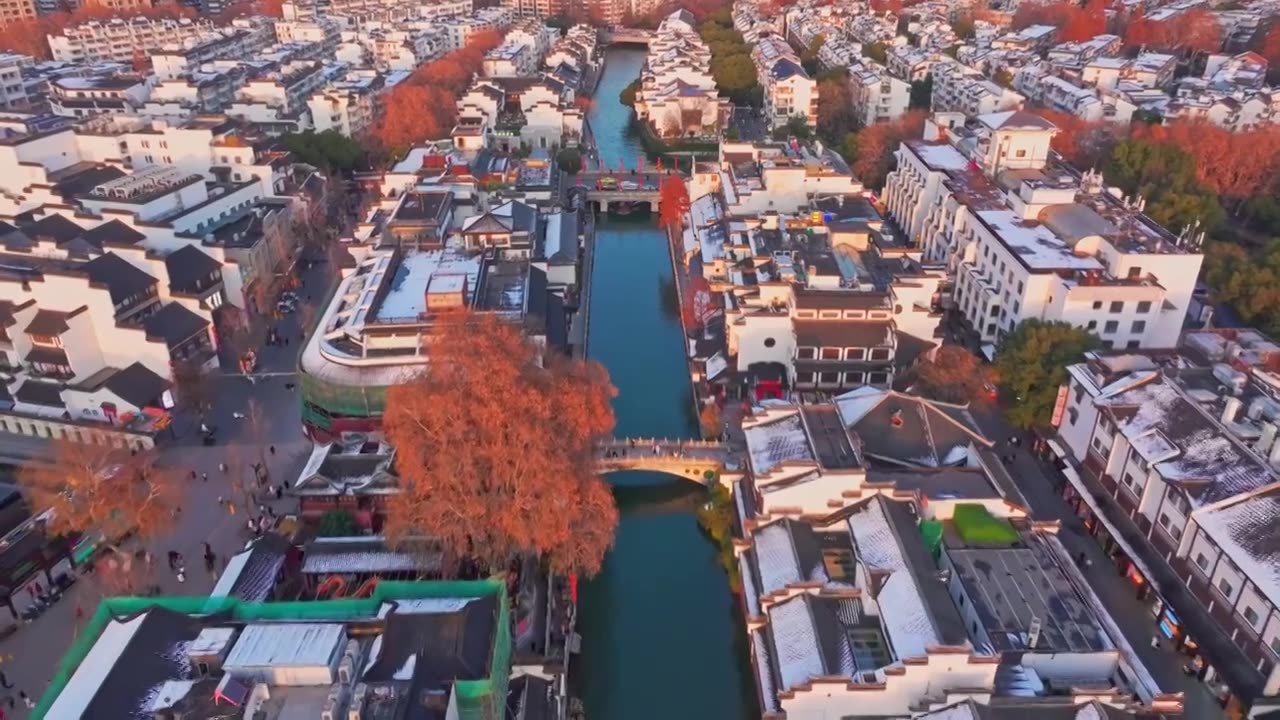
640,163
659,163
620,167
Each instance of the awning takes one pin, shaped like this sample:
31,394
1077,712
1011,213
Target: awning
1087,495
989,351
1057,449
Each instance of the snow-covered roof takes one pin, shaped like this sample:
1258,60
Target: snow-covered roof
1194,448
906,620
775,441
1034,244
786,554
939,156
1245,531
285,645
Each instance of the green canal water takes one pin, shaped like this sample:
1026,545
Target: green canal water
661,635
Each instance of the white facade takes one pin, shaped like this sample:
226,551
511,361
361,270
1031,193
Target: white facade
877,96
1044,246
118,39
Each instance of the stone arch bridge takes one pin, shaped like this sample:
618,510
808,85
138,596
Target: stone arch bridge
701,461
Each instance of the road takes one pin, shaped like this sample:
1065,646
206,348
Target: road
1040,484
30,656
748,124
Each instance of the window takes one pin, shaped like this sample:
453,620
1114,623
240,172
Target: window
1275,645
829,314
1097,443
806,353
1139,326
854,378
1202,561
770,342
1020,153
829,353
1072,415
1116,307
1225,587
879,353
1135,272
1133,345
1097,304
829,378
1144,307
855,353
1251,616
1093,325
804,378
1110,327
878,378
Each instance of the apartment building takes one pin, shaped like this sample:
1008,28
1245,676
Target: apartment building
852,612
12,11
1077,54
13,89
344,107
1147,70
1036,82
877,95
1172,459
84,96
509,112
119,39
1025,238
789,92
908,63
960,89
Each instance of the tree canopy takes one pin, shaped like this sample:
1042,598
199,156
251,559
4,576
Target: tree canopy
731,64
95,488
1032,363
495,447
1249,283
673,202
329,150
424,107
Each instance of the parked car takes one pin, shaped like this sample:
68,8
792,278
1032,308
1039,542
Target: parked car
608,183
628,185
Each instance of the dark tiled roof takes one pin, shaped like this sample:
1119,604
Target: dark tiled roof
35,392
56,228
842,333
123,280
449,646
48,323
188,266
152,656
113,233
137,385
841,300
257,578
529,698
46,355
174,323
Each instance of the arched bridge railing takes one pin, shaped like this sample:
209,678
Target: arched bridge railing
700,460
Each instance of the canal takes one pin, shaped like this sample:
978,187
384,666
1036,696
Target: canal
661,637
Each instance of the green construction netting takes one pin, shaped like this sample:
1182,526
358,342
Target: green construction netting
931,531
477,699
342,400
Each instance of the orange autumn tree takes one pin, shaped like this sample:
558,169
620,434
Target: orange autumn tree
495,447
1235,165
424,107
673,202
92,488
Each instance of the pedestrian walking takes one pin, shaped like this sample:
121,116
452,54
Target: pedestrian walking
271,512
252,525
173,559
26,700
204,476
280,491
231,508
222,466
4,679
193,474
272,448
